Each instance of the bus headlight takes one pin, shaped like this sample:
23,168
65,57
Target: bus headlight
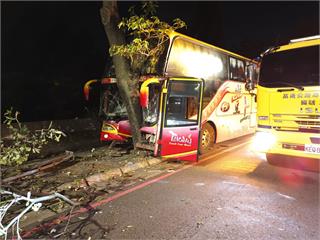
263,141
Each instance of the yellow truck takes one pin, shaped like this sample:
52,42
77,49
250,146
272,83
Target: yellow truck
288,101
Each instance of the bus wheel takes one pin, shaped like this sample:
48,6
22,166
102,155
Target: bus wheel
207,138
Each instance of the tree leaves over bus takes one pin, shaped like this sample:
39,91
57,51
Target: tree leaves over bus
148,36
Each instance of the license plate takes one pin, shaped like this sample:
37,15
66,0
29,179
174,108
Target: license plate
312,148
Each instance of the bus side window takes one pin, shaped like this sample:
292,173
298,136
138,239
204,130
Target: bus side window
237,71
175,107
182,104
192,109
252,73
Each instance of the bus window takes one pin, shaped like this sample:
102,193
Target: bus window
182,107
192,108
175,108
214,82
188,59
252,73
236,69
112,106
150,113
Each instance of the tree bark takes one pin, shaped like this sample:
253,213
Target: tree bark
127,83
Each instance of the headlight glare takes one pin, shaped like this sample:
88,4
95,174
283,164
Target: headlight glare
263,141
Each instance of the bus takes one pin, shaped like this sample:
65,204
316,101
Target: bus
169,99
288,101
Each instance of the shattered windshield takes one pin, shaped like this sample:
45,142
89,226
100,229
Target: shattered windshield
297,67
150,113
112,106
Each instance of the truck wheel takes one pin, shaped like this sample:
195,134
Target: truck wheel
207,138
272,159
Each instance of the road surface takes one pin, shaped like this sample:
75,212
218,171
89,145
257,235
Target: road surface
232,193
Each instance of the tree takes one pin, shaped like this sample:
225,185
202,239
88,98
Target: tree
110,20
147,36
23,142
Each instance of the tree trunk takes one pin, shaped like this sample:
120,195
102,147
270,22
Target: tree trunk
128,85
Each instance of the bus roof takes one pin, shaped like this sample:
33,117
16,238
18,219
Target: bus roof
174,34
300,43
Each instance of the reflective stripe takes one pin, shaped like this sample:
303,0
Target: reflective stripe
181,154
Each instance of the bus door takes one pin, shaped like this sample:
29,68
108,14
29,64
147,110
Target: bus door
180,123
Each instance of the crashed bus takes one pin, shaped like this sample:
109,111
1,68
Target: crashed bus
200,95
289,102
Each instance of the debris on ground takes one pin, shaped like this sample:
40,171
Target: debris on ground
12,210
43,165
76,168
70,169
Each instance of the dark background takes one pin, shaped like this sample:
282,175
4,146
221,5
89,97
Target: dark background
50,49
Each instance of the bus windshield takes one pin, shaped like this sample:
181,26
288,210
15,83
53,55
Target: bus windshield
150,113
112,106
296,67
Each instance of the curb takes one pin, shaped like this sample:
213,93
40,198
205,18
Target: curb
115,172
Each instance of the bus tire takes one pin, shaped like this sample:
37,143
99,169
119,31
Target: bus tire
207,138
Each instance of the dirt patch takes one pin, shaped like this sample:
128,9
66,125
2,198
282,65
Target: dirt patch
75,170
90,158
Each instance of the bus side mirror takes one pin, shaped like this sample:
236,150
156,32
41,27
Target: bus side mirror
144,91
144,97
86,88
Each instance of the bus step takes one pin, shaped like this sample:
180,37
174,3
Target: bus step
145,146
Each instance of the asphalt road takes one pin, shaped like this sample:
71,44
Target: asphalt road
232,193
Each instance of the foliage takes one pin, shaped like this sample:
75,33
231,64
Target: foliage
23,141
148,8
148,36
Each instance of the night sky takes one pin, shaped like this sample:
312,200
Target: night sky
50,49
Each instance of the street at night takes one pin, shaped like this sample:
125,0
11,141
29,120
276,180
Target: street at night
232,193
160,120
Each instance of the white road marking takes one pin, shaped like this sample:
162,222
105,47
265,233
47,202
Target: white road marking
233,183
199,184
286,196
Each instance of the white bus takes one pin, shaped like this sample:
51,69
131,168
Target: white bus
228,108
